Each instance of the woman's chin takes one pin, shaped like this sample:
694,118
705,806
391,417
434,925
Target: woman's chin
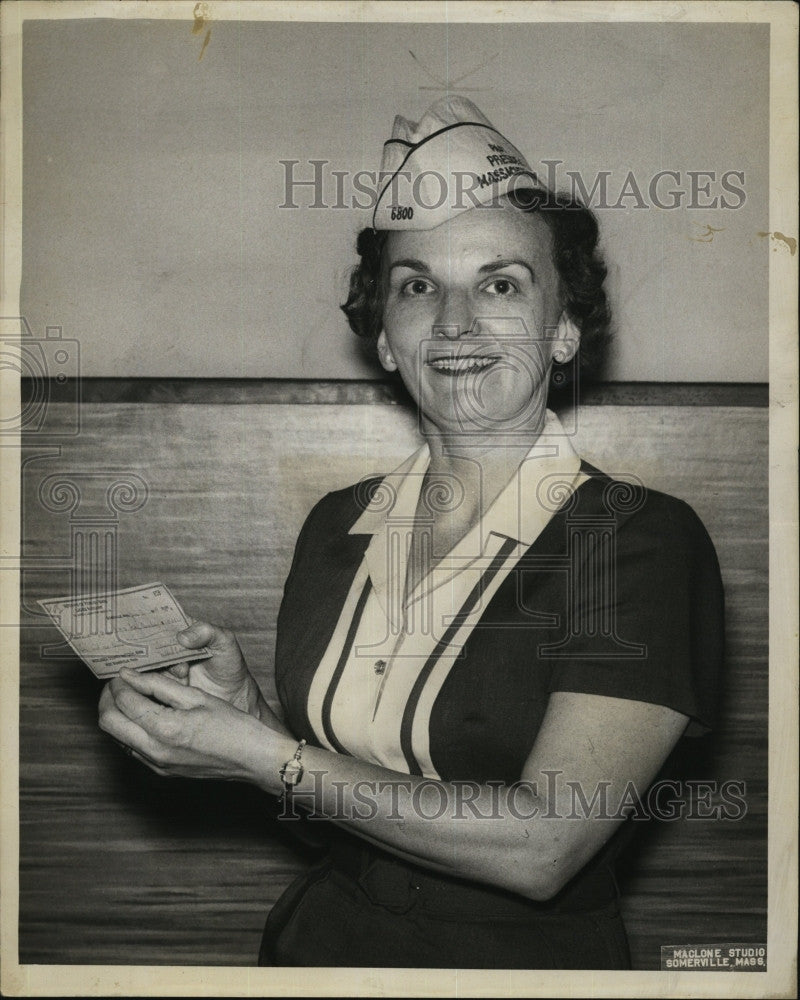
485,410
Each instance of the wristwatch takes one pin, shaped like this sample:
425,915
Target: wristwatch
292,771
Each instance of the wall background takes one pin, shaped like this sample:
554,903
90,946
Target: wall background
152,232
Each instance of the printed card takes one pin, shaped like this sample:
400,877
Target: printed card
133,628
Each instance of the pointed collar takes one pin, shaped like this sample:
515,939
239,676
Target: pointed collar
549,471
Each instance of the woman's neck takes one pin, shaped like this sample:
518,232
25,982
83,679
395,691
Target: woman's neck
482,468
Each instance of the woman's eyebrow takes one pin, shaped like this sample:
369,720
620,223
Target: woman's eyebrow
498,265
412,264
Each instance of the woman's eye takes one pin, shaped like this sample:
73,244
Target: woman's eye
501,286
417,286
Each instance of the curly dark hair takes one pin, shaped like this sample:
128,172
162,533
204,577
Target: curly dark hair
580,268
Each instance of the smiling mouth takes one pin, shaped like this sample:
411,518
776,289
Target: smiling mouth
453,365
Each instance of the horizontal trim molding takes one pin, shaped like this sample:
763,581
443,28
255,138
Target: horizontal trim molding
368,391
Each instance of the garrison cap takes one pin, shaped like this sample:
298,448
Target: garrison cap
450,161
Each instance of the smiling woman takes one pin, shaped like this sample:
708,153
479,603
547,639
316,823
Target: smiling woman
572,251
471,648
476,301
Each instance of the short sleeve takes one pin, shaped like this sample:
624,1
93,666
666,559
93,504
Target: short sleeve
647,615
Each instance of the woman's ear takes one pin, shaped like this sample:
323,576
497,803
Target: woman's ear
385,355
567,339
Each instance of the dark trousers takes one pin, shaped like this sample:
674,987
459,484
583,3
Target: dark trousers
362,908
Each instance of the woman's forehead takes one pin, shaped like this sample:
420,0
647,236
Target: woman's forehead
483,233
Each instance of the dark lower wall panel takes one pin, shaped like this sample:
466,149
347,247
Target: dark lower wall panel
365,391
121,867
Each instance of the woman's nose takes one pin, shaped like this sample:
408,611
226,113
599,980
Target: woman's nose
455,318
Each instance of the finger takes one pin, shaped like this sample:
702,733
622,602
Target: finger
169,727
137,707
180,671
129,735
219,639
198,634
162,771
130,752
163,688
106,699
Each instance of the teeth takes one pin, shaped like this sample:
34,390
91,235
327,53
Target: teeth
461,364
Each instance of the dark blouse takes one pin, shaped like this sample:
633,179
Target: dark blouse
620,595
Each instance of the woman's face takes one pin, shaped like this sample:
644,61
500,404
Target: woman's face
472,321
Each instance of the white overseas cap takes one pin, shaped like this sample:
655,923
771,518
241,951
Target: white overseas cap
450,161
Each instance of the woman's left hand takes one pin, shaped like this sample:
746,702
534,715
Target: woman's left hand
182,731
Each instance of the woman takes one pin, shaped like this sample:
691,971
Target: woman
484,656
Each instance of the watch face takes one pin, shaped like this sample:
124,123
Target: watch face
292,772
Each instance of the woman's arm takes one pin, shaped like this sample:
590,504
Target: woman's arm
530,838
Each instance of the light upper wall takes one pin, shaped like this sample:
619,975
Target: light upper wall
152,181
